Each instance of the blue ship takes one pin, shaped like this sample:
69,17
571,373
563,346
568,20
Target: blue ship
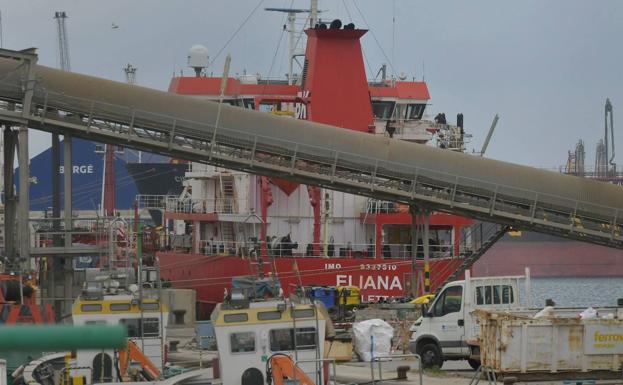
155,175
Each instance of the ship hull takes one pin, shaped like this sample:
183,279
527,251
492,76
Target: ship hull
211,275
549,256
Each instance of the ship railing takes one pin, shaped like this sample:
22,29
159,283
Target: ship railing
375,206
152,201
225,205
391,251
58,232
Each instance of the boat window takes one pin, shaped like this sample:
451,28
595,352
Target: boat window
150,306
282,339
414,111
150,327
304,313
237,317
90,307
120,307
382,110
132,325
268,315
242,342
449,301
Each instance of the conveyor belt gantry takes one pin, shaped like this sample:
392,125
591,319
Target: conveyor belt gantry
311,153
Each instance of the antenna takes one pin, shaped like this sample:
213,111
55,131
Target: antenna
1,38
294,41
313,13
63,45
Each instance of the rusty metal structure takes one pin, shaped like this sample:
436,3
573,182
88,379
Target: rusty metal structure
42,98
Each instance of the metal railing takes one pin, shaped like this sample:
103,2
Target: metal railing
362,174
484,371
152,201
389,252
83,232
319,365
176,204
201,206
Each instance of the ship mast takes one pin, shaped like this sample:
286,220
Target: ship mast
295,38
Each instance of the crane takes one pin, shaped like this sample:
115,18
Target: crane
280,366
63,44
609,128
132,353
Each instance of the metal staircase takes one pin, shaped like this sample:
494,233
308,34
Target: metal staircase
481,236
228,194
301,160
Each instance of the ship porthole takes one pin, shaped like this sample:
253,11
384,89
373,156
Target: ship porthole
252,376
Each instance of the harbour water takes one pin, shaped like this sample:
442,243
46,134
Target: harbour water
577,291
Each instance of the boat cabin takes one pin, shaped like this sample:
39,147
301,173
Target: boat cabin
145,320
249,333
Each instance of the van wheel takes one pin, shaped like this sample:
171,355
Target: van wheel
431,356
475,364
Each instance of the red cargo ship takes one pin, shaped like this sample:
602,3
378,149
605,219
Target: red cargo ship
228,223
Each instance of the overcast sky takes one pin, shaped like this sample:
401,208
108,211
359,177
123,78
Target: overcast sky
546,67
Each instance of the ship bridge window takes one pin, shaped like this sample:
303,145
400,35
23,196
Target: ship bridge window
242,342
282,339
236,317
249,103
120,307
266,107
148,328
383,110
91,307
268,315
414,111
494,295
304,313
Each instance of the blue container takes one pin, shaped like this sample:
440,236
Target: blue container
204,333
326,295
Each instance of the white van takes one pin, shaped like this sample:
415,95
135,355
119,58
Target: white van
446,327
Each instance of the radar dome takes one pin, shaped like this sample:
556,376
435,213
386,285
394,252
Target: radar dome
198,58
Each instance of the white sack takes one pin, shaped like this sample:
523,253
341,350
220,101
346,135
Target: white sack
372,338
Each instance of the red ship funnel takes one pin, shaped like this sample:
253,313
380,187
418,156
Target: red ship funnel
335,79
